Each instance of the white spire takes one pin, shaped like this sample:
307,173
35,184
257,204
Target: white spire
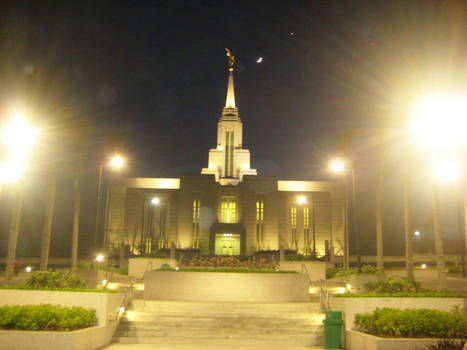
230,100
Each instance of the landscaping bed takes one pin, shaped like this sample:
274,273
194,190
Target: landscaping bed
390,328
223,269
46,317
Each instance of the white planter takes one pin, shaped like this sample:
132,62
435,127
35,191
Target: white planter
138,266
362,341
316,270
226,286
105,304
84,339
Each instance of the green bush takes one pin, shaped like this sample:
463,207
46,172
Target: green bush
413,323
392,285
427,294
331,272
455,269
46,317
55,280
83,290
366,269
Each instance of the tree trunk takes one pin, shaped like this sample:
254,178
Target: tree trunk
76,208
14,231
346,227
439,246
47,228
379,213
357,231
460,229
408,228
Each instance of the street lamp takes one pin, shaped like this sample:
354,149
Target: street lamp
116,162
338,167
18,137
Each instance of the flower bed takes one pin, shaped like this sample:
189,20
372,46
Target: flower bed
46,317
413,323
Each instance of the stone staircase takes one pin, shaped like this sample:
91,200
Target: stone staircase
221,324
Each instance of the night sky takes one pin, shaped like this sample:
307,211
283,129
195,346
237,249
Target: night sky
148,79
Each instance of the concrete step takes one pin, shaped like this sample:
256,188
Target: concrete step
221,324
226,341
206,308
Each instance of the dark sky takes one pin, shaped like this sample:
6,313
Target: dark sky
149,79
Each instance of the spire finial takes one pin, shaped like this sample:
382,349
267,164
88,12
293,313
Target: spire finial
231,59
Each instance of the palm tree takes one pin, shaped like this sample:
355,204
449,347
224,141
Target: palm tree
47,226
408,226
379,210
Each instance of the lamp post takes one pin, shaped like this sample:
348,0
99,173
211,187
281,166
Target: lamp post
439,125
116,163
338,167
18,137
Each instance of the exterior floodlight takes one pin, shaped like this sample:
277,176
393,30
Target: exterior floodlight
104,282
440,120
18,136
100,258
28,269
337,166
122,309
348,286
446,171
155,200
417,233
177,268
116,162
10,171
301,199
424,266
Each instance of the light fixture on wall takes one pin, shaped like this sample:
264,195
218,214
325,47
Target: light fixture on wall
155,200
301,199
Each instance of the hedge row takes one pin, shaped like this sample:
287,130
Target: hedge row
46,317
413,323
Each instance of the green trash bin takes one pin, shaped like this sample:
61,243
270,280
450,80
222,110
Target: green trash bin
333,329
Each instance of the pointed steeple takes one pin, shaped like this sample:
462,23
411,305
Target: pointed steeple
230,111
230,100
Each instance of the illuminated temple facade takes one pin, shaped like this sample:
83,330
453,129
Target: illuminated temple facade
227,209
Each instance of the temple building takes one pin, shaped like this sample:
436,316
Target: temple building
228,209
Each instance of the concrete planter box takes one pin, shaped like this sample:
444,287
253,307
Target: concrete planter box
138,266
84,339
357,281
93,278
352,306
105,304
226,286
362,341
316,270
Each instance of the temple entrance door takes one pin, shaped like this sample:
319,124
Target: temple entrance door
227,244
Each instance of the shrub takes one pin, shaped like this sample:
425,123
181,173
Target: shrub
55,280
413,323
366,269
46,317
455,269
391,285
331,272
448,344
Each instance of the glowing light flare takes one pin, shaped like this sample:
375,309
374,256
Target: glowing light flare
259,60
155,200
117,162
301,199
100,258
417,233
18,136
440,121
424,266
337,166
122,309
104,282
348,286
11,170
446,171
28,269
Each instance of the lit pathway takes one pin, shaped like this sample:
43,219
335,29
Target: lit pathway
203,347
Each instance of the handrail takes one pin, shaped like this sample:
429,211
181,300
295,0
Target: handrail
323,294
127,298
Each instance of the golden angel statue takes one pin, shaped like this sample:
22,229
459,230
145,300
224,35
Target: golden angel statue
231,57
